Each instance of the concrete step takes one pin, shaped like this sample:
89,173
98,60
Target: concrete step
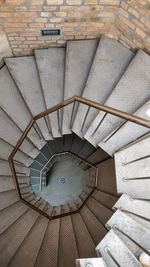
86,150
56,210
52,147
31,245
76,145
46,152
133,234
8,198
136,207
20,230
11,214
97,156
49,210
67,252
115,252
5,169
26,77
68,139
106,180
101,212
6,149
105,198
7,182
96,262
110,62
65,208
126,96
132,169
51,67
85,245
49,250
11,134
127,133
95,228
59,144
13,103
79,58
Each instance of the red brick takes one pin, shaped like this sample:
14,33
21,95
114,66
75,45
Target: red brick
123,12
26,20
139,8
134,12
15,25
20,38
36,2
122,25
13,30
6,9
29,34
25,14
127,22
137,23
12,20
5,15
109,2
44,20
36,25
16,2
145,22
124,5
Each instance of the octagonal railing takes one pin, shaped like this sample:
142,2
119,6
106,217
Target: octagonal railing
25,141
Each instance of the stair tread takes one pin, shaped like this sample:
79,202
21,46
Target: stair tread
7,198
85,245
10,214
110,62
48,253
18,230
138,234
95,228
30,246
102,213
125,96
50,63
67,253
105,198
98,156
118,250
135,206
96,262
11,134
127,175
79,57
68,139
127,133
76,145
14,104
107,176
25,74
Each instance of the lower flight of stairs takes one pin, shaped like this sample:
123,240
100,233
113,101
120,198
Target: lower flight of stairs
102,229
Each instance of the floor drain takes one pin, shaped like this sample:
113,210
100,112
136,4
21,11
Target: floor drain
62,180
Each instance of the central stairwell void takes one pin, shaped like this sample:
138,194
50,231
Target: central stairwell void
75,157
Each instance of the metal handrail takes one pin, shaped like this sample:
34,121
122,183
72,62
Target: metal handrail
100,107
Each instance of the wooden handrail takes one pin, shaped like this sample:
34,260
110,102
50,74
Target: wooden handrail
90,103
113,111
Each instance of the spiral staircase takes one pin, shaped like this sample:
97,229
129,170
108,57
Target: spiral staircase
87,105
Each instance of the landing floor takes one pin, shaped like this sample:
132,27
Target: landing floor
66,181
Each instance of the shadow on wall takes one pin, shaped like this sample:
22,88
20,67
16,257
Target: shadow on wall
5,50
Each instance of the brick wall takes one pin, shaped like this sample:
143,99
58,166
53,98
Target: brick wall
133,23
22,21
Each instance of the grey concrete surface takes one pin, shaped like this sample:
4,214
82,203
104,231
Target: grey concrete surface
58,193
